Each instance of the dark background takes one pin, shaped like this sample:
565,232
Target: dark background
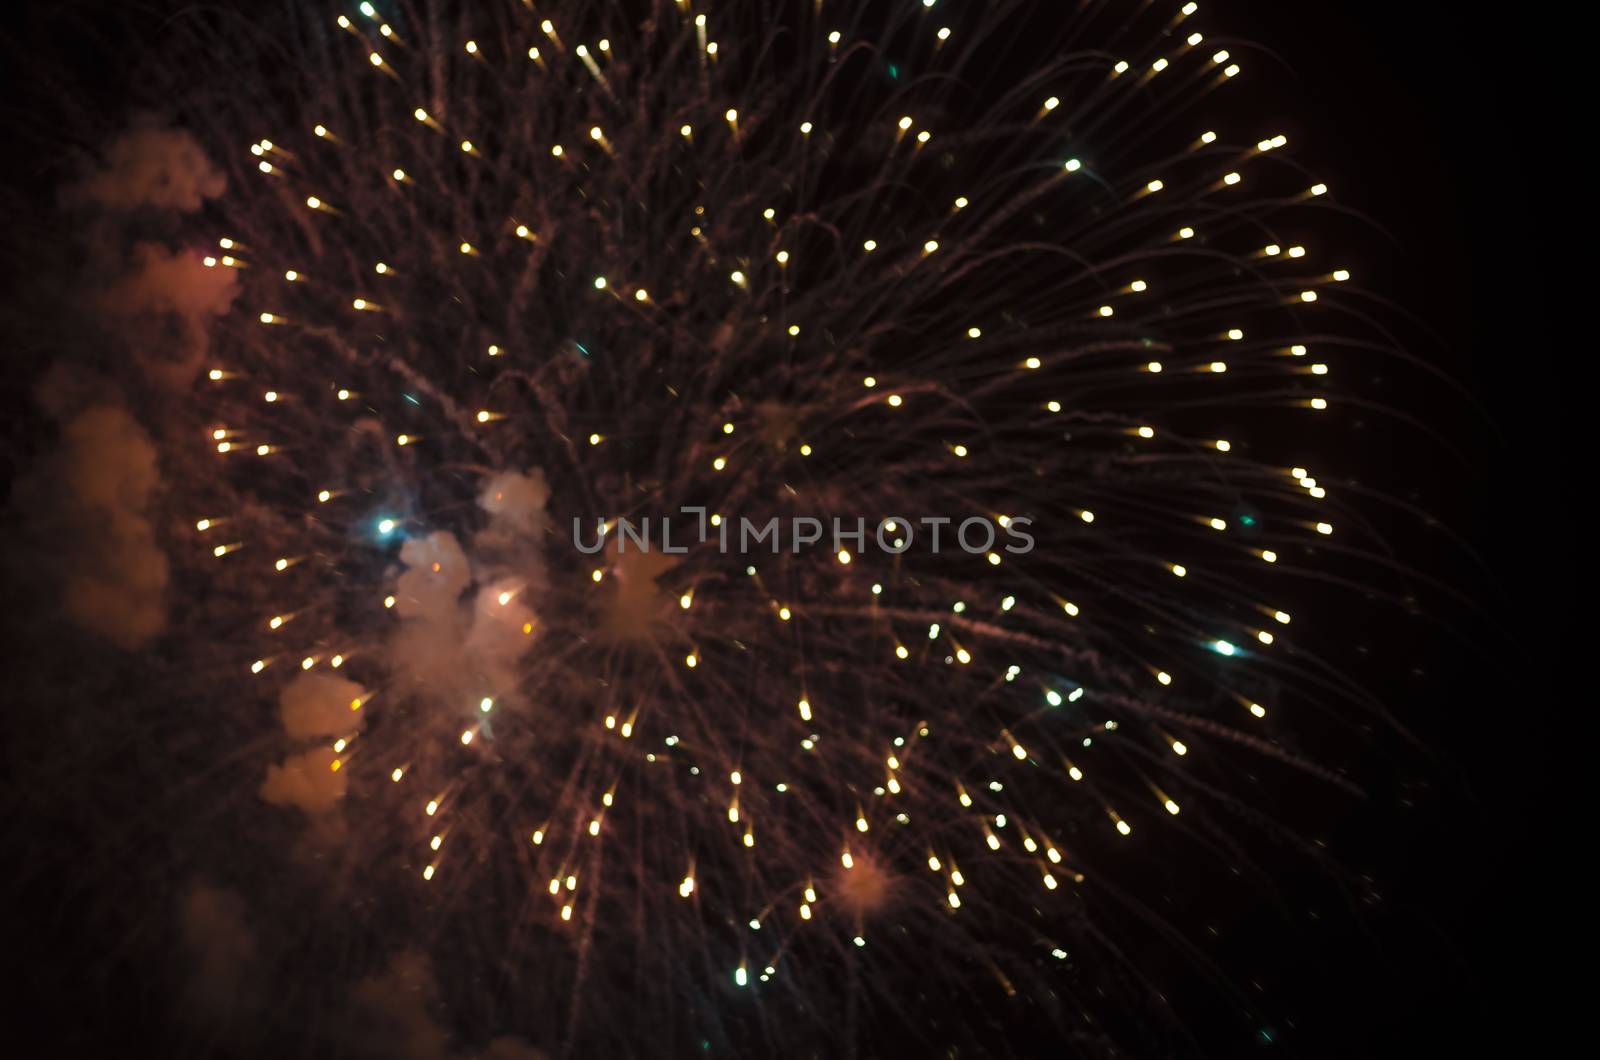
1447,129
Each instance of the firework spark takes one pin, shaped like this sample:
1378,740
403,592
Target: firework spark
510,267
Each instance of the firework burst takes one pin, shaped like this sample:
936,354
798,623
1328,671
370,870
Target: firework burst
509,272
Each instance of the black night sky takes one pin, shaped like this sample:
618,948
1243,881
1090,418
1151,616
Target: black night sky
1432,927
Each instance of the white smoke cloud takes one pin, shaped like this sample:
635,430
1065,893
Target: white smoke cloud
152,166
314,707
222,952
317,705
436,575
516,506
163,303
465,623
307,780
90,500
393,1012
395,1016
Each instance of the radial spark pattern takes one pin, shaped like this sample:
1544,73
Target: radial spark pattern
519,265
